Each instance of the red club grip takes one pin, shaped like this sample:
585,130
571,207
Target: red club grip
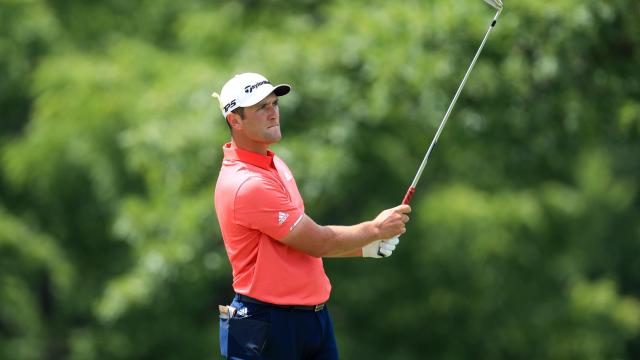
408,196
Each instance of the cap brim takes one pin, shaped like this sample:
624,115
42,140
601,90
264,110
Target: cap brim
282,89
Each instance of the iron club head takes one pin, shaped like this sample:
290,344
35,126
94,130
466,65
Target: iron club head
497,4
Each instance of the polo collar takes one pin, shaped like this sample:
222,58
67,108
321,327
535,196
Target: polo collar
231,152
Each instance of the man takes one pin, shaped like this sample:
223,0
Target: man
275,249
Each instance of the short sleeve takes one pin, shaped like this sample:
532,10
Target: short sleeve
263,204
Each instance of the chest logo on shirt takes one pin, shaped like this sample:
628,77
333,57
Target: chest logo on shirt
282,217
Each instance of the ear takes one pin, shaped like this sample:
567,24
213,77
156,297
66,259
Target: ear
234,120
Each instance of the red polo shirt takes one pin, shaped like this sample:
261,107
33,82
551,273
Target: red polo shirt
257,203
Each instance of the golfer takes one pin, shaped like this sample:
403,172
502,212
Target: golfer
275,249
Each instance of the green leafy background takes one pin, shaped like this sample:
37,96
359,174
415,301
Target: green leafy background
525,229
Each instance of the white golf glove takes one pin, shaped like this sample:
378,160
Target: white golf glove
380,248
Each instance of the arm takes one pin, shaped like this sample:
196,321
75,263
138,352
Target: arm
321,241
352,253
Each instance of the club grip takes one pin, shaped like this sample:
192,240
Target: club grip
408,196
405,201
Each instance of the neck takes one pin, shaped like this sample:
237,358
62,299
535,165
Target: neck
250,146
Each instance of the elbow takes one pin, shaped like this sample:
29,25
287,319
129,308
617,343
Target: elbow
330,245
316,241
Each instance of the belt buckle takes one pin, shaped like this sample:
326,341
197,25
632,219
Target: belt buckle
318,307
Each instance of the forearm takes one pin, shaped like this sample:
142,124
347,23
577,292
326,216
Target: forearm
347,241
352,253
334,240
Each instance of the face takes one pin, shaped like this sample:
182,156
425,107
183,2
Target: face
260,125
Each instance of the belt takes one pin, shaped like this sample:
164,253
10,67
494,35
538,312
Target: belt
316,308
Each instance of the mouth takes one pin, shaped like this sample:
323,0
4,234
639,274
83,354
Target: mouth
272,126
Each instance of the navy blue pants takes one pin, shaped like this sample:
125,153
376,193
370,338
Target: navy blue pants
263,331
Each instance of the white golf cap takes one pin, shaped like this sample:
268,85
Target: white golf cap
247,89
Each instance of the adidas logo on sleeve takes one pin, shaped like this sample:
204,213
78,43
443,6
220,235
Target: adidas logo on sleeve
282,217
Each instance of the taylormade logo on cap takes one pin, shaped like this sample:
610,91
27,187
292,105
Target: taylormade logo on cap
247,89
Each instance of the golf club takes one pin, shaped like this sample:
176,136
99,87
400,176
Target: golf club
496,4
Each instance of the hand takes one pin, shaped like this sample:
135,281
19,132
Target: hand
391,222
380,248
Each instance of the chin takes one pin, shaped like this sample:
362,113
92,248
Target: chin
274,137
275,140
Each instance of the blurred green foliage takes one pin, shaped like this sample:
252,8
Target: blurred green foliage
525,236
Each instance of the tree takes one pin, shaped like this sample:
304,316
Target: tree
523,236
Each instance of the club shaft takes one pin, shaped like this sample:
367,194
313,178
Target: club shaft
412,188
